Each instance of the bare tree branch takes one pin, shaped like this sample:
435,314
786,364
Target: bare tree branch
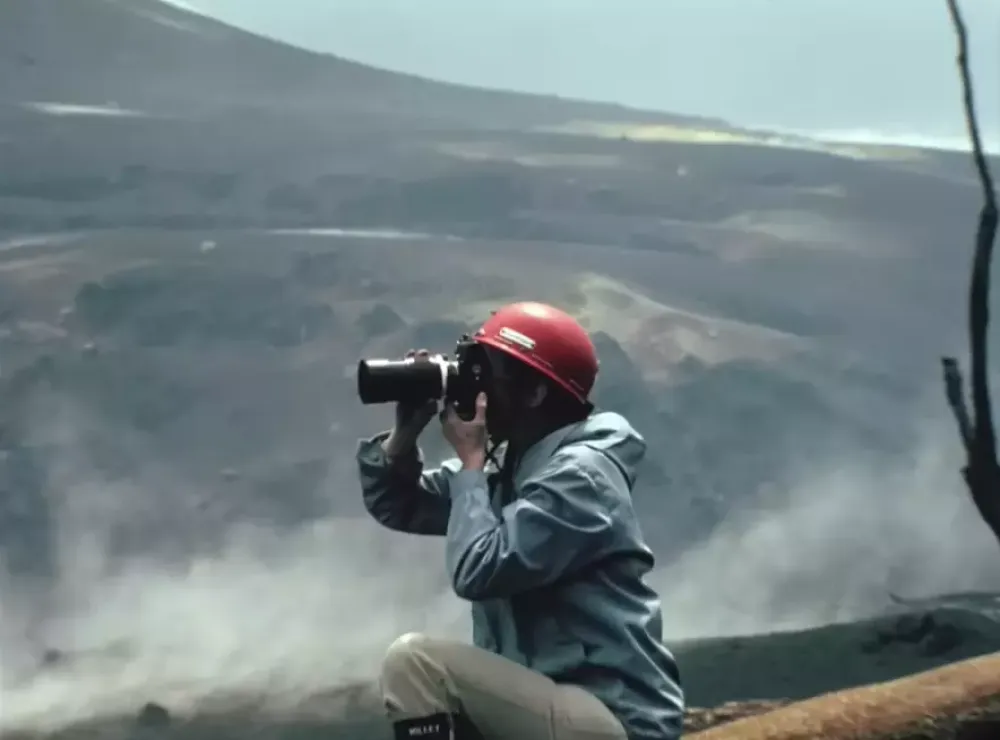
982,474
953,391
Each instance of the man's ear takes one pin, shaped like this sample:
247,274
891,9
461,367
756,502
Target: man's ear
538,395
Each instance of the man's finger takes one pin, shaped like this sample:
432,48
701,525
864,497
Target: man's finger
481,407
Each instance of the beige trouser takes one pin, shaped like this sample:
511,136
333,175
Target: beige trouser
422,676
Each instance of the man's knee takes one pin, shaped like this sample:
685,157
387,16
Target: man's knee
409,652
413,679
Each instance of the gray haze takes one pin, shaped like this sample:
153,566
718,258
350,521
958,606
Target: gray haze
866,70
177,364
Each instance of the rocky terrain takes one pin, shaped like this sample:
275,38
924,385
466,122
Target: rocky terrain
781,303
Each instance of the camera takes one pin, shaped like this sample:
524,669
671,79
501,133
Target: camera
457,382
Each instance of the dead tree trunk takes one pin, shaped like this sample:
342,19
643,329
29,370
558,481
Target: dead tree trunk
981,472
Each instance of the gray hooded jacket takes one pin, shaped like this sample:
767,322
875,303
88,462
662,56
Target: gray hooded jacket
555,568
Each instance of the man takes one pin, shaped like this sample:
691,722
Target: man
547,548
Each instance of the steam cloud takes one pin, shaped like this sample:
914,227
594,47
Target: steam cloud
292,613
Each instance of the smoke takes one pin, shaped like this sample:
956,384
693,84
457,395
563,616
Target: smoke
286,616
836,546
286,612
290,613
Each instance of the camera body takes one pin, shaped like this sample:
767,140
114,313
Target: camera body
457,381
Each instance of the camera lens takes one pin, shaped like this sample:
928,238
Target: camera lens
400,381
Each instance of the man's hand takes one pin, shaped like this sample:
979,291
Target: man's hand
468,438
410,418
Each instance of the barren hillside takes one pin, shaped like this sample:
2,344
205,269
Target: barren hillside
201,231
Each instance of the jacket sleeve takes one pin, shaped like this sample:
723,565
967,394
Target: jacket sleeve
399,494
559,523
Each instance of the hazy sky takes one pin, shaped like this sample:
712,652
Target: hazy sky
846,65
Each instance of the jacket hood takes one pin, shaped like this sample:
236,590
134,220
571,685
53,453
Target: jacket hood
611,434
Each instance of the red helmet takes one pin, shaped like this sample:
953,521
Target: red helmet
549,340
